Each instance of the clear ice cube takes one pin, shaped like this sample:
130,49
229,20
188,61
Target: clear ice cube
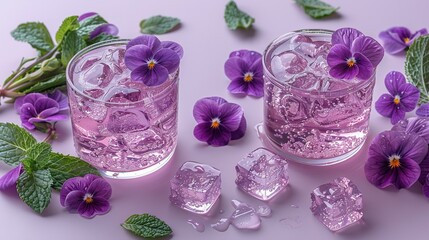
290,62
319,66
127,120
122,94
337,204
98,75
262,174
306,81
306,49
94,93
296,40
145,141
195,187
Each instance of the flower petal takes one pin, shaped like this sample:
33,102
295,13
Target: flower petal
100,188
414,148
230,115
377,171
364,65
86,15
27,111
156,76
10,178
256,88
203,131
424,169
173,46
416,35
60,98
370,48
247,55
393,82
98,207
18,104
216,137
385,105
89,178
238,86
73,200
33,97
72,184
343,71
339,54
426,189
137,56
401,32
345,36
235,68
407,174
410,96
419,126
423,110
108,29
147,40
220,138
218,100
397,115
391,42
240,132
47,105
206,109
168,59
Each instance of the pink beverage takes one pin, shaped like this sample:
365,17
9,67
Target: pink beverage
310,117
122,127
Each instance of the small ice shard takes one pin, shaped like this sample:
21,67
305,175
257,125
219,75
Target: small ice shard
198,226
337,204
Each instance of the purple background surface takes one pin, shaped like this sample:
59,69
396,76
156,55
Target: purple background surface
388,214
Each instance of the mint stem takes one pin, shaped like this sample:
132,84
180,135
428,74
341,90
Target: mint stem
52,134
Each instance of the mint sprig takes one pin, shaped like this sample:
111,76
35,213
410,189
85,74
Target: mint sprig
316,8
147,226
43,169
32,73
158,24
235,18
417,66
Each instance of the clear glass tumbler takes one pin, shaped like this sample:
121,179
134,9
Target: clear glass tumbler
310,117
122,127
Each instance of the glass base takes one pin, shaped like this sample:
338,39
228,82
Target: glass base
312,162
138,173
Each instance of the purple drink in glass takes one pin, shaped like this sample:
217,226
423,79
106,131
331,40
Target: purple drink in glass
309,116
122,127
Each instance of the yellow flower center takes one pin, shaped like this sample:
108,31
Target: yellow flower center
88,198
397,100
351,62
151,64
406,40
248,77
215,123
394,161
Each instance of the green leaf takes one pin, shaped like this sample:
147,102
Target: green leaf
52,82
147,226
158,24
235,18
316,8
14,143
63,167
89,24
417,66
34,188
72,44
36,34
36,155
69,24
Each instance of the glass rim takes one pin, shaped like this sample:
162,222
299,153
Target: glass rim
174,75
279,40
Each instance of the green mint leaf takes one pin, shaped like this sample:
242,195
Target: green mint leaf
69,24
63,167
158,24
235,18
146,226
14,143
36,34
34,188
417,66
72,44
316,9
89,24
36,155
48,84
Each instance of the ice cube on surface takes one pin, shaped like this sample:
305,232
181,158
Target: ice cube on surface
195,187
337,204
262,174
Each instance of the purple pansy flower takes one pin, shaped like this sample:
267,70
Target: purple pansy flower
218,121
244,69
150,60
86,195
107,28
10,178
353,55
398,39
424,167
423,110
38,108
426,186
393,159
414,125
402,97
